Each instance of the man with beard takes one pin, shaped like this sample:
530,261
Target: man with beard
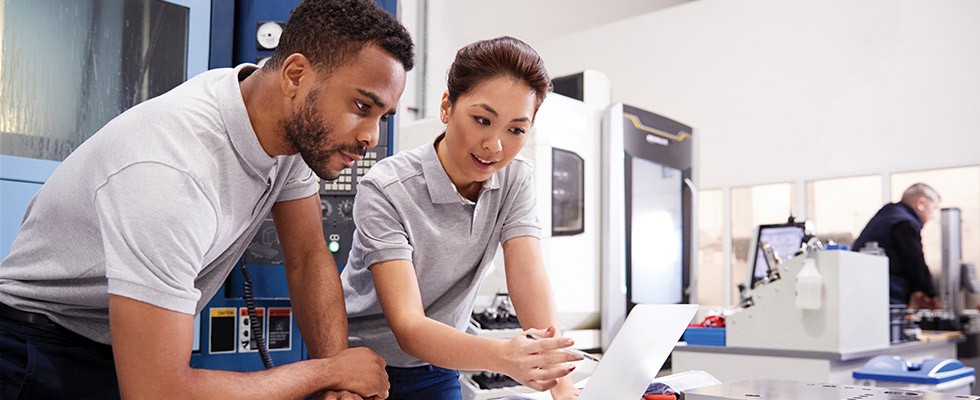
138,228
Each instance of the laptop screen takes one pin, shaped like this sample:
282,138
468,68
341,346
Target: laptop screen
638,351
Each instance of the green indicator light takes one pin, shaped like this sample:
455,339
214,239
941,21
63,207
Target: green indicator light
333,246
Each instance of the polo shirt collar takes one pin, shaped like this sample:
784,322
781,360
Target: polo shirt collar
441,188
240,132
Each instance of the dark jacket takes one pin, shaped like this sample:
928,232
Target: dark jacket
897,229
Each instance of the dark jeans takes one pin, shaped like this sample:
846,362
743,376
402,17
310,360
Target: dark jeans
423,383
45,363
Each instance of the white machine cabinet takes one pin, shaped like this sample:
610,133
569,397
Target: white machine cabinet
852,317
774,339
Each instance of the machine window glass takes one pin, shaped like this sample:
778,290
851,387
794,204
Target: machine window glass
840,208
567,193
68,67
750,207
711,235
656,237
958,187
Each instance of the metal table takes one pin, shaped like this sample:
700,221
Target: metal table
774,389
733,364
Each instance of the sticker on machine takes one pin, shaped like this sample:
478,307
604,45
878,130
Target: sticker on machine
221,335
280,335
246,338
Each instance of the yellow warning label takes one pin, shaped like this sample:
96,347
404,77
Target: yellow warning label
222,312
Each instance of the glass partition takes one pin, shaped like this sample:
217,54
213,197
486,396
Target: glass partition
750,207
840,207
656,243
711,235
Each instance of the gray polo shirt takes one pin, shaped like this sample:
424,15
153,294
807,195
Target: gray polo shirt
408,209
157,206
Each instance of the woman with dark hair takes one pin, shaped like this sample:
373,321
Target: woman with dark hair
429,222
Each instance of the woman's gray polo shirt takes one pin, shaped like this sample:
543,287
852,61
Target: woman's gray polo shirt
408,209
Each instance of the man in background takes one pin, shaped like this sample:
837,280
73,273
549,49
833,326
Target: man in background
897,229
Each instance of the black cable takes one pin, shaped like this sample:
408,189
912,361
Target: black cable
253,318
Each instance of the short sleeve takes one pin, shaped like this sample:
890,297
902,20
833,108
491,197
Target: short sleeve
156,225
520,218
380,233
300,184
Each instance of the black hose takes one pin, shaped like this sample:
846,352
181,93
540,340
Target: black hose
253,318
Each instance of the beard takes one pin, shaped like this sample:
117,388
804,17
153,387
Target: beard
313,138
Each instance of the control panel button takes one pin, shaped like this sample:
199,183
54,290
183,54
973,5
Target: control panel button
267,35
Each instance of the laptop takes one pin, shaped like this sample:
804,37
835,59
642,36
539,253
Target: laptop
636,354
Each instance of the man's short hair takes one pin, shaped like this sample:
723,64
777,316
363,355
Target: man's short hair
332,32
918,190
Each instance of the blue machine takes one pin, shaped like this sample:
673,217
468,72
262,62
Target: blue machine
225,342
931,371
929,375
239,31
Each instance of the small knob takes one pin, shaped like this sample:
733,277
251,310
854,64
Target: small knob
347,207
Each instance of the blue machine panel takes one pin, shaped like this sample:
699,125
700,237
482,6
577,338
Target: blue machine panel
264,259
222,34
250,14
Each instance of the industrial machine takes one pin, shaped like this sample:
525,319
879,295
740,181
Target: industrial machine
956,280
648,201
829,300
817,316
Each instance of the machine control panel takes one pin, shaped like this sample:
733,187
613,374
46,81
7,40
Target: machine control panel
337,211
338,196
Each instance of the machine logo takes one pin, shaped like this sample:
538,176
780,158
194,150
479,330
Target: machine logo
657,140
654,135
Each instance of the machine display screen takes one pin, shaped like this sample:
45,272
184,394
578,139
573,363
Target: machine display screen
656,234
784,240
